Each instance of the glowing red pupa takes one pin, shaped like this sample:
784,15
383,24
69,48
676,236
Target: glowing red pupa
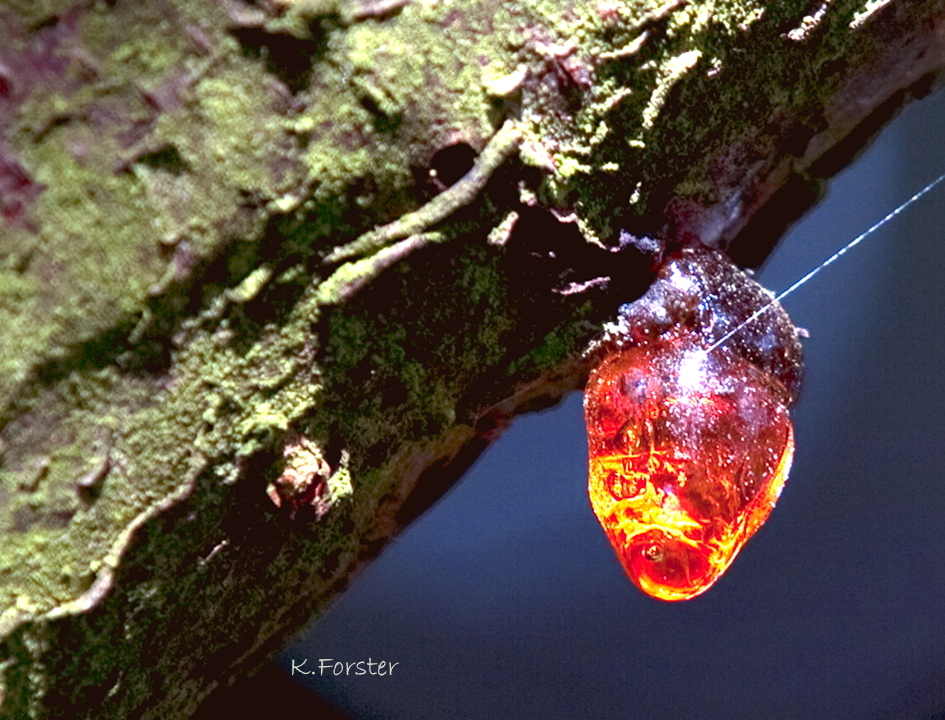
690,444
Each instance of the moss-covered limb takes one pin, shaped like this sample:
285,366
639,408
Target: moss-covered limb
182,353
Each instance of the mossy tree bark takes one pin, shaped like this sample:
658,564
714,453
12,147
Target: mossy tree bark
273,273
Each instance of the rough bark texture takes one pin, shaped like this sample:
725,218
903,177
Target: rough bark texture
243,264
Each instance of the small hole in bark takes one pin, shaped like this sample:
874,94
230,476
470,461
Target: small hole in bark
451,163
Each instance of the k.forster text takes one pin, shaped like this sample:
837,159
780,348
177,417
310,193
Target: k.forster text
330,666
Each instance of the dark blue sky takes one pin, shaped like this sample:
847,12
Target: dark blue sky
505,600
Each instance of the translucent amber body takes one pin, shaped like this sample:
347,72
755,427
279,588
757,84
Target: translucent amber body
689,451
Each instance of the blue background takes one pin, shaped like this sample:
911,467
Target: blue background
506,600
